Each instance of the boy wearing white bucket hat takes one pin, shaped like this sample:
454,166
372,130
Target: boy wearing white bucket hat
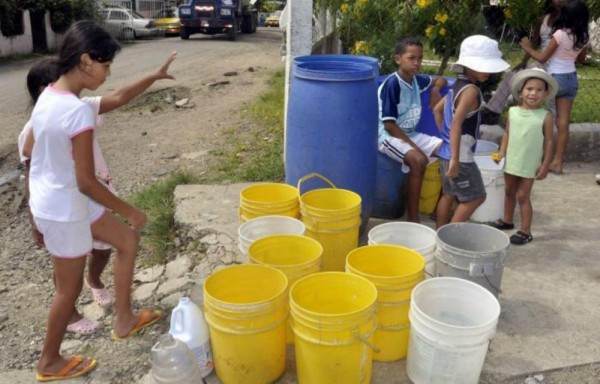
458,116
526,147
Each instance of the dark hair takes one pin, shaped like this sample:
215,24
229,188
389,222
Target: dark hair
41,74
575,16
86,37
401,45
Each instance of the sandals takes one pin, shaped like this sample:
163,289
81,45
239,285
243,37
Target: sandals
521,238
76,367
84,326
146,318
501,224
102,297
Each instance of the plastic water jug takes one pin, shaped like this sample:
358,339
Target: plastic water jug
173,362
188,325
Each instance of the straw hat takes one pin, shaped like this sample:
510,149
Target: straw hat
516,84
481,54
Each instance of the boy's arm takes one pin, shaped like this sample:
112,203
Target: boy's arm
468,101
542,171
438,113
435,95
124,95
89,185
541,57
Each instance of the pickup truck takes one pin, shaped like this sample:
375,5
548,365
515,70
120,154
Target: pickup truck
218,16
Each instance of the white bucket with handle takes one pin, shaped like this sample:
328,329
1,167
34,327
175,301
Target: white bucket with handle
492,208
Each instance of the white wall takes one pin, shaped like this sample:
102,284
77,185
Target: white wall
23,44
18,44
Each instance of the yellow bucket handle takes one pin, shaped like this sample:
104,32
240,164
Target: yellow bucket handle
364,339
310,176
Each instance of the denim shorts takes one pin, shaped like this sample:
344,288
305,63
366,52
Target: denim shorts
567,85
467,186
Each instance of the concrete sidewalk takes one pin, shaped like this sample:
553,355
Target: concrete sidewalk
550,307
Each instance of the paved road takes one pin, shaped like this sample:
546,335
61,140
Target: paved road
200,53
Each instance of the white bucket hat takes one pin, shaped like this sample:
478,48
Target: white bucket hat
481,54
516,84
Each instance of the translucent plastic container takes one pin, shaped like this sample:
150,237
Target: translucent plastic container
173,362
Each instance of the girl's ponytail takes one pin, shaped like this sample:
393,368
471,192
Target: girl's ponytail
43,73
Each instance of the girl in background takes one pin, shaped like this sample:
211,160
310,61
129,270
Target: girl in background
568,43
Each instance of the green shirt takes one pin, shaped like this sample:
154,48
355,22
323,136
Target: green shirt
525,141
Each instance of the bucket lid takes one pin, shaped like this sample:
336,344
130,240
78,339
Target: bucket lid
334,71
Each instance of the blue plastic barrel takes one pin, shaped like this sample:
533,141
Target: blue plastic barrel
389,201
361,59
332,128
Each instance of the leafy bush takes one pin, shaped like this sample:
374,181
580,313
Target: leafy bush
11,18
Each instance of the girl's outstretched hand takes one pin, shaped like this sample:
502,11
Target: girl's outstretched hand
163,71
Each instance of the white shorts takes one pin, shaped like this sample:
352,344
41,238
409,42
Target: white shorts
66,239
395,148
96,213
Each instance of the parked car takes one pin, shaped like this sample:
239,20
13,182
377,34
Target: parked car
167,20
127,24
273,19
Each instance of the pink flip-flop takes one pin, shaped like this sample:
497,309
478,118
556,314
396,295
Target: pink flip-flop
84,326
102,297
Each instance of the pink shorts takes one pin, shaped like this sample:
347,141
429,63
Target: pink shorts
66,239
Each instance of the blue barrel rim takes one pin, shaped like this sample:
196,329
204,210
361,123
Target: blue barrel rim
333,71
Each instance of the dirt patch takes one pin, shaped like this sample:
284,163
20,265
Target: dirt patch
162,100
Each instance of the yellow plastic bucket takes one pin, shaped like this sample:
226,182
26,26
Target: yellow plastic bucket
333,319
430,189
269,199
395,271
246,310
296,256
332,217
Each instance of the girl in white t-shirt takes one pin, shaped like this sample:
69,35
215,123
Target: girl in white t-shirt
62,181
568,45
42,74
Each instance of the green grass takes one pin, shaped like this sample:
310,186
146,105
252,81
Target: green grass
157,202
254,153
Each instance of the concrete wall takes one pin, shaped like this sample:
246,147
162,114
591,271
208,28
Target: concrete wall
18,45
23,44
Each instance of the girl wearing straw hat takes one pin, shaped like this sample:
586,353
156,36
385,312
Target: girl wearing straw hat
526,147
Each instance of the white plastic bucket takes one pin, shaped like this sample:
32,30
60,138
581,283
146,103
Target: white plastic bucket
410,235
485,148
263,226
452,322
474,252
492,208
